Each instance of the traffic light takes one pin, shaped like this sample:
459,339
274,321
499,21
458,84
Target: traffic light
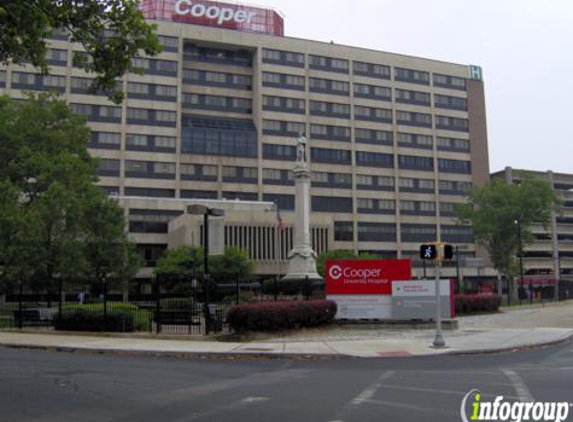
436,251
429,252
448,252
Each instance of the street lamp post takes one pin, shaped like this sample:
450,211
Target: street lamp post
439,338
520,246
198,209
457,248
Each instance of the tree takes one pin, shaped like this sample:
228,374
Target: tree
106,247
232,264
184,261
48,196
494,211
112,32
339,254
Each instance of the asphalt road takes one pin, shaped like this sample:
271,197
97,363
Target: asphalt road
59,386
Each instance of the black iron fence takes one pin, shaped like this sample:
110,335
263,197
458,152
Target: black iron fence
153,304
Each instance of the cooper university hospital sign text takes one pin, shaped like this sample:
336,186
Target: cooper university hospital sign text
217,13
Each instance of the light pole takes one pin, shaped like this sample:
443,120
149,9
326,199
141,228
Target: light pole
457,248
439,338
204,210
520,246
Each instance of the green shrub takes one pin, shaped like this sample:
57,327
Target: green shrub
141,318
85,320
274,316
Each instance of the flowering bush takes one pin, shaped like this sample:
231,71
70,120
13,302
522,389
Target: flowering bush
274,316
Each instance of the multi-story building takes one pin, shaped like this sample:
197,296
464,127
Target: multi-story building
550,256
394,140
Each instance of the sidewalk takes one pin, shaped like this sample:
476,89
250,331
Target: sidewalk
530,327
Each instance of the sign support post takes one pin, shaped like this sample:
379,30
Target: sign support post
439,338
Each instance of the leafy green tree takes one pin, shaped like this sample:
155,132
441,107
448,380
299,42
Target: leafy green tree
18,239
339,254
111,32
48,194
232,264
494,210
181,262
106,247
226,267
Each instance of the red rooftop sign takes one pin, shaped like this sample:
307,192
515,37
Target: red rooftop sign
365,276
216,14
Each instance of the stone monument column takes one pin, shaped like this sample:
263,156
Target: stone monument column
302,259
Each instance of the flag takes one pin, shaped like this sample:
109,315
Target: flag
280,224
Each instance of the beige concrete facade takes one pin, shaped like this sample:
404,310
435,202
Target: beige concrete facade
414,206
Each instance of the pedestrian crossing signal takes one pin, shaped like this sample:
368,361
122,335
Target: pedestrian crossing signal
436,252
448,252
429,252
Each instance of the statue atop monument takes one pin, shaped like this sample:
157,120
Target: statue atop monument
301,150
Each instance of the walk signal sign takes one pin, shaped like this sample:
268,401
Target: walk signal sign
429,252
436,251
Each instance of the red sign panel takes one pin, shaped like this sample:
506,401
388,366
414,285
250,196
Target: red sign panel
217,14
365,277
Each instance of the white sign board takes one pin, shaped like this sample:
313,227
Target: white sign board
416,299
362,306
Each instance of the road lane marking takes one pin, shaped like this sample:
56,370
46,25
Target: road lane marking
438,391
254,399
520,388
371,390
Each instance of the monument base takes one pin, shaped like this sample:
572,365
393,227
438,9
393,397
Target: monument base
302,266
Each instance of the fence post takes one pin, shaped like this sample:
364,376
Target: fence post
60,295
105,302
307,287
237,289
20,287
157,305
276,293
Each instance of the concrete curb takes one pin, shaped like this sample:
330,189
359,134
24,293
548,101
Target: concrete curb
273,356
566,339
183,355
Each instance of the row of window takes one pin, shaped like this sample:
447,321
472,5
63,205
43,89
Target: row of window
374,114
218,103
368,136
156,221
136,116
368,159
335,87
195,53
335,133
203,172
387,232
331,64
217,79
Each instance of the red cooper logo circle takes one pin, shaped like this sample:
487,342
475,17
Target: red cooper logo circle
335,272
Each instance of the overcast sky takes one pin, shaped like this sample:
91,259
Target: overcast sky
525,48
